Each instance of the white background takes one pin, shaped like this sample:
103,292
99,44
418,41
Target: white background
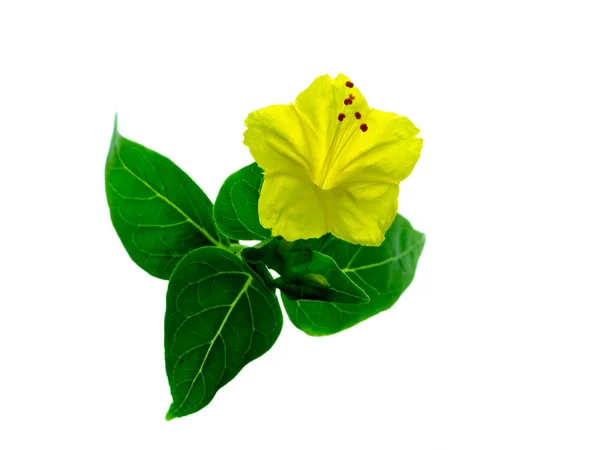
496,344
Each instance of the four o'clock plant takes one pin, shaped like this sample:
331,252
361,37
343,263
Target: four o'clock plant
322,199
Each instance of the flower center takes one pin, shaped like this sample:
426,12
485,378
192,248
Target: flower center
347,124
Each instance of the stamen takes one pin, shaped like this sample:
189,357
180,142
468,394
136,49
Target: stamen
342,135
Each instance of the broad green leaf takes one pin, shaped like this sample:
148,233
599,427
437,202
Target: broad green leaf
159,213
219,317
383,272
236,207
310,275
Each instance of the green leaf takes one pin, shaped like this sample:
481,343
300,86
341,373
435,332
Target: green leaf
158,211
219,317
383,272
310,275
236,207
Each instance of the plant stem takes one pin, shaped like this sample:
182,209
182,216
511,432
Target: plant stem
265,242
236,248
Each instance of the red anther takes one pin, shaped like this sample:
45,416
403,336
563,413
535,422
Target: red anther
347,101
357,115
349,84
341,117
364,127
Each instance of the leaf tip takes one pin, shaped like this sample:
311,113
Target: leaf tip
115,139
170,416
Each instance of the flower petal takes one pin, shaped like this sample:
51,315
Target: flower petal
277,141
293,208
364,212
386,153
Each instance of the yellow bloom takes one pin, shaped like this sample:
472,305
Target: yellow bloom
331,163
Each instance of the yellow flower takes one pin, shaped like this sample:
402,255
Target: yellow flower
331,164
